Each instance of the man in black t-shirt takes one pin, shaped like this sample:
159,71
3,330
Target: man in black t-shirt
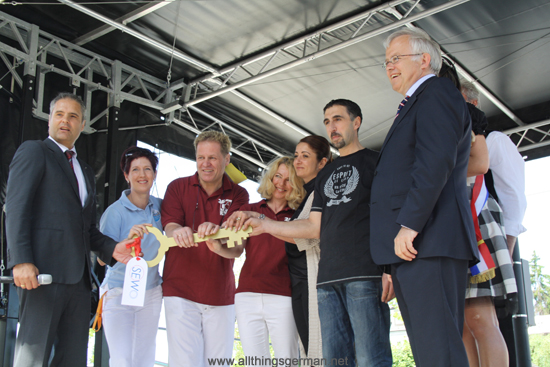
352,291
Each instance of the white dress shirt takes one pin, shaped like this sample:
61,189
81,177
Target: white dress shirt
77,171
417,84
508,170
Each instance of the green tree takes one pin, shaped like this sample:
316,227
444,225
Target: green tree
402,354
541,286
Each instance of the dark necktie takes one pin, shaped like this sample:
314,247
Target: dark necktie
401,105
69,154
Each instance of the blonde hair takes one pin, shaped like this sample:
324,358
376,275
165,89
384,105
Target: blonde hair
215,136
266,189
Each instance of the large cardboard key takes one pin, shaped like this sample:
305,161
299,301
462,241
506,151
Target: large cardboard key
233,238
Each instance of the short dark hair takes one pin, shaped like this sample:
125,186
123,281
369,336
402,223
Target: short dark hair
319,145
134,153
353,108
74,97
448,70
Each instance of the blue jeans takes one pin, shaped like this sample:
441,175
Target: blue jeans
355,324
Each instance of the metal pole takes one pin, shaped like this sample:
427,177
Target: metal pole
519,320
111,168
25,121
101,350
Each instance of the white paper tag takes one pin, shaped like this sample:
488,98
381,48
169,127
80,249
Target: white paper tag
135,282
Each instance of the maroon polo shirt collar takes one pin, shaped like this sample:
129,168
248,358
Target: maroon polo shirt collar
263,204
226,183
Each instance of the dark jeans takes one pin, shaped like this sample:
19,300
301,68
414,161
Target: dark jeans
355,324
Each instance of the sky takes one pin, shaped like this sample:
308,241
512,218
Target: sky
537,188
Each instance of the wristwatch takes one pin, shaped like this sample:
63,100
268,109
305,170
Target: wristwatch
262,216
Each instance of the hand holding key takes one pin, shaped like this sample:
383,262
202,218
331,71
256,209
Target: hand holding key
234,238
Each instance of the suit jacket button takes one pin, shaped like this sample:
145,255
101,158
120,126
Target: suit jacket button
375,173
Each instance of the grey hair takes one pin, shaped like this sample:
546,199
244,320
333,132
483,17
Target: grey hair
72,96
470,91
420,42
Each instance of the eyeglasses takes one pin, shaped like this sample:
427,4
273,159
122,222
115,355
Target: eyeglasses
395,59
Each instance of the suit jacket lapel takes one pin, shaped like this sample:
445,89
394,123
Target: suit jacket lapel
398,120
64,164
403,113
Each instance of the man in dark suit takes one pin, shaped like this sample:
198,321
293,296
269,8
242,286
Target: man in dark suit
51,229
421,223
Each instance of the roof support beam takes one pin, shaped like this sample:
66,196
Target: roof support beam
523,128
159,45
469,77
233,150
299,41
326,51
522,131
237,131
130,17
526,127
526,148
490,96
77,64
120,76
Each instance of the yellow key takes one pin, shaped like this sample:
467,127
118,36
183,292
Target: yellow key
234,238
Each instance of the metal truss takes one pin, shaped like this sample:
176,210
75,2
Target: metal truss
304,49
280,58
41,53
536,136
127,18
36,48
161,46
194,128
297,52
242,144
469,77
293,53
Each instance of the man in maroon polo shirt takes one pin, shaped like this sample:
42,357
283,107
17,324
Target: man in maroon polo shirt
198,285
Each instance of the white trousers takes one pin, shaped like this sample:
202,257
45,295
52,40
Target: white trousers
131,331
262,315
198,332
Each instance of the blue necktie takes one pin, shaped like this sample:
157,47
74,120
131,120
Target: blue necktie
401,105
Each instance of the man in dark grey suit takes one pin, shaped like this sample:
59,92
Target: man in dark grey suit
421,222
51,229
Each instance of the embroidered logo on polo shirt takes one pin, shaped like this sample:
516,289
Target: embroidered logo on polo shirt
224,206
156,215
342,182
